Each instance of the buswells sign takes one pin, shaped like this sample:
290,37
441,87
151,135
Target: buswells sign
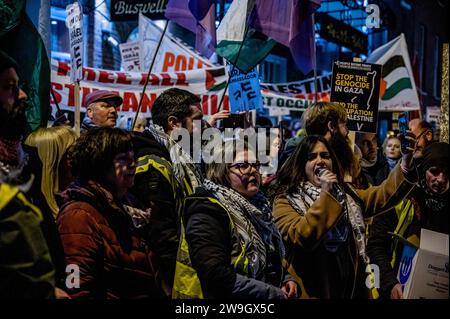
124,10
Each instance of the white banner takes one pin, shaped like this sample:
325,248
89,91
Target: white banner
74,23
129,53
172,56
207,84
301,89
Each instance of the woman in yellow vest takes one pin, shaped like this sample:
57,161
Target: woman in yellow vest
230,246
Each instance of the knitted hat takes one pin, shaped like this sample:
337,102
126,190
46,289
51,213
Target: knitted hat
436,154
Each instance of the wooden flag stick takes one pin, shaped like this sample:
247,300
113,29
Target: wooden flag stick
77,108
148,74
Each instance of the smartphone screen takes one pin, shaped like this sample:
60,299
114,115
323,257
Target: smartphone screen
403,127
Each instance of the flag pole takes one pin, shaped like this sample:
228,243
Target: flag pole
149,73
315,56
77,108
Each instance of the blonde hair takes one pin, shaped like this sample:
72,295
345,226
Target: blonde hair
316,117
386,140
51,144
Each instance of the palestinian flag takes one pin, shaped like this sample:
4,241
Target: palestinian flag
244,54
398,89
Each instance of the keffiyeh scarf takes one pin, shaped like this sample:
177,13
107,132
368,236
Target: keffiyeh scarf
254,225
183,165
307,194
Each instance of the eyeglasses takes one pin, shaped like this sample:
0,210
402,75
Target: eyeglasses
245,167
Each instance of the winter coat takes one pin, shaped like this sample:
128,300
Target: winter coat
26,269
99,237
211,247
155,188
386,250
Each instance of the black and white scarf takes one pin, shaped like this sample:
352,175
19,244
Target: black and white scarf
254,225
307,194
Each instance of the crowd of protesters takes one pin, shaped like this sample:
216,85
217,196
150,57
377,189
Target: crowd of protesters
125,212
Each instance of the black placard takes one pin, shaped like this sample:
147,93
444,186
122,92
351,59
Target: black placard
356,86
127,10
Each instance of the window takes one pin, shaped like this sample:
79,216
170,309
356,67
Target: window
59,35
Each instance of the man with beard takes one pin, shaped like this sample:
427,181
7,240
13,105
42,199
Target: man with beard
166,174
26,269
372,160
424,133
330,121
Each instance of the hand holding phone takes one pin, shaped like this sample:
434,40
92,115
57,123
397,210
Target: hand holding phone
403,128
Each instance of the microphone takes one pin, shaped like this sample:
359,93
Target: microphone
337,190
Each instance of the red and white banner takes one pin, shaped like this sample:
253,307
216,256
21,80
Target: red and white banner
208,84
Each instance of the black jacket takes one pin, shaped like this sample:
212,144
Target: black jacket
153,190
380,247
210,248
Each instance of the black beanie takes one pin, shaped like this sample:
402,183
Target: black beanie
6,62
436,154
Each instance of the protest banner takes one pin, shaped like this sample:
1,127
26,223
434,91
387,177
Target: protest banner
244,90
356,86
173,55
74,23
129,52
204,83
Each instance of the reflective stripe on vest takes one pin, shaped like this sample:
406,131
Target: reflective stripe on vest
160,164
186,284
405,214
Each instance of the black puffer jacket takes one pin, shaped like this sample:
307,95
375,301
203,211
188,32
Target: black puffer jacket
154,190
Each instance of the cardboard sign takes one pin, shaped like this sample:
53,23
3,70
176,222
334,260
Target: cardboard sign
244,91
356,86
74,23
429,273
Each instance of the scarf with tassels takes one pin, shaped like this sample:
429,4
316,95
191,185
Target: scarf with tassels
307,194
254,224
182,163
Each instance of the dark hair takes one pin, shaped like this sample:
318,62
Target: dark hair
293,170
425,125
93,153
173,102
317,116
